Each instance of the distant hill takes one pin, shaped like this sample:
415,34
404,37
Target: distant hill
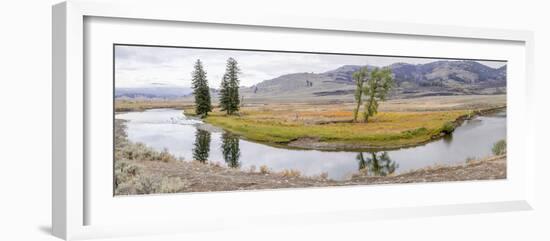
435,78
445,73
343,74
153,92
412,80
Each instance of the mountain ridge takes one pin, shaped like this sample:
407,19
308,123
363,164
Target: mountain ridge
442,77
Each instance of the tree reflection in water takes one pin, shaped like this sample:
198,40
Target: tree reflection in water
377,164
231,151
201,147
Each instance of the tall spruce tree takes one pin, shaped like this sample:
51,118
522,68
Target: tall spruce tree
224,95
229,92
201,90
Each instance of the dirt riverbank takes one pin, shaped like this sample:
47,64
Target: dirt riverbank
484,169
200,177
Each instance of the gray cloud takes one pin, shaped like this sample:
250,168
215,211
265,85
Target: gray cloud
139,66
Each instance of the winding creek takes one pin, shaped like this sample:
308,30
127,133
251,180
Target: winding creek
170,129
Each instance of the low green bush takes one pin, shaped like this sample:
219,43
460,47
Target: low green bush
448,128
415,132
499,148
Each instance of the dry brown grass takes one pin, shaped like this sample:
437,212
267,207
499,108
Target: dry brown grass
403,122
145,104
290,173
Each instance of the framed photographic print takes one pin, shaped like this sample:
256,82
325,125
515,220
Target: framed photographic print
301,119
195,120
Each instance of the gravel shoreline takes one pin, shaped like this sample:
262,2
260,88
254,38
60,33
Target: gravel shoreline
490,168
200,177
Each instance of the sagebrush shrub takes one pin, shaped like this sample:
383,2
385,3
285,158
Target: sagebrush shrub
264,169
290,173
172,185
148,184
499,148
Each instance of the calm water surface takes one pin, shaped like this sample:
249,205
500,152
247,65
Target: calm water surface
172,130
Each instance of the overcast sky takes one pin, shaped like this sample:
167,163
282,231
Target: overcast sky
144,66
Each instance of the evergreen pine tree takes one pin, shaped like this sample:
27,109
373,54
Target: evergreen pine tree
229,92
201,90
224,95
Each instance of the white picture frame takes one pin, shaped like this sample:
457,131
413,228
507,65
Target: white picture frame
71,190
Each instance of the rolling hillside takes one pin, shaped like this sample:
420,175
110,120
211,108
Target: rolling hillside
432,79
436,78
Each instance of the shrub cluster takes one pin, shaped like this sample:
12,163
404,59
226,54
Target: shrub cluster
290,173
499,148
140,152
157,184
415,132
130,179
129,176
264,169
448,128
